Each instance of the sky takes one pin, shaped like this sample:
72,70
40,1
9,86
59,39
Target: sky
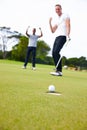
19,14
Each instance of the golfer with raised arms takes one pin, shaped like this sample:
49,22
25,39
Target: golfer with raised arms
32,46
62,29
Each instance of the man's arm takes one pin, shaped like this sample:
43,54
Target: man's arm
52,28
68,27
27,31
41,34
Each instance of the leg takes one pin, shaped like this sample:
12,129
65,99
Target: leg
58,44
33,56
27,56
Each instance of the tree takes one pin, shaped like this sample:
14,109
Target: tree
8,38
76,62
82,62
42,49
64,61
3,46
73,62
19,51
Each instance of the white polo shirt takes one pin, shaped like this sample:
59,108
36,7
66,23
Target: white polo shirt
61,30
33,41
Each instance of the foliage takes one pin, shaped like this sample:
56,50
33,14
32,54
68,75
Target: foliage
64,61
42,49
1,55
75,62
47,60
82,61
8,37
19,51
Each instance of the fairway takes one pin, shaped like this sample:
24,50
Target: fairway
26,105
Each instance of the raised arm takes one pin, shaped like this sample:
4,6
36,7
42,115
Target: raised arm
52,28
41,34
27,31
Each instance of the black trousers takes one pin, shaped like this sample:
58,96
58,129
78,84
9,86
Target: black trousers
29,50
58,44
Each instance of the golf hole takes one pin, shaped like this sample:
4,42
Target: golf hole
54,93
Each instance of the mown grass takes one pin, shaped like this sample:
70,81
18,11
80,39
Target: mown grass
26,105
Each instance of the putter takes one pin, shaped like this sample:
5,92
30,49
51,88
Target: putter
61,55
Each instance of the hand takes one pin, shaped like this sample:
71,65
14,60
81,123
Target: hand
68,38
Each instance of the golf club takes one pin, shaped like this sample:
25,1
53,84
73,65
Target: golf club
62,55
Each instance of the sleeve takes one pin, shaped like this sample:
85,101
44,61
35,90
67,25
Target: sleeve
67,16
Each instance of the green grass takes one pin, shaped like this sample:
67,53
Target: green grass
26,105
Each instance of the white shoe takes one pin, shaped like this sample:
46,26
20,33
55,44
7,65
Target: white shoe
33,68
60,73
23,67
56,73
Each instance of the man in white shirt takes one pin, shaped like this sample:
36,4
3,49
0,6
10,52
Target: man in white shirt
62,29
32,45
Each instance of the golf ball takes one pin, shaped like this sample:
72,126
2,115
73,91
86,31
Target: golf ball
51,88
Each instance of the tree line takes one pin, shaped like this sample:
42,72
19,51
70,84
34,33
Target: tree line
77,63
18,53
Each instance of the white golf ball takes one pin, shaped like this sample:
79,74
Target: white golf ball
51,88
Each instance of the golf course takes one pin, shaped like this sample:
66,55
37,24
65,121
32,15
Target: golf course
26,104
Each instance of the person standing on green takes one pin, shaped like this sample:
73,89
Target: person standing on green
62,29
32,45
